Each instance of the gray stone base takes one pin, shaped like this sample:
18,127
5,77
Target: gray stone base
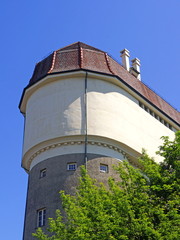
44,192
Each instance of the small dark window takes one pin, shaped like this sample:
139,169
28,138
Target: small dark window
103,168
71,166
140,104
41,217
43,173
151,112
167,124
147,109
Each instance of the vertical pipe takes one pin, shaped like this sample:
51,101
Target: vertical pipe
85,115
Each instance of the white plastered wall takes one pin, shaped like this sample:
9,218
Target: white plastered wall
54,110
57,109
114,113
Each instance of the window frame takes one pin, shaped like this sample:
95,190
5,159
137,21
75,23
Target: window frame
41,217
42,173
71,164
103,170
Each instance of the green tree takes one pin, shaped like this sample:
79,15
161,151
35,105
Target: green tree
143,205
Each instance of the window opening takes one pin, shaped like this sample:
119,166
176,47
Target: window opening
43,173
103,168
71,166
41,217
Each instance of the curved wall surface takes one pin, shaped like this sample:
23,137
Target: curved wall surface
95,121
56,112
44,192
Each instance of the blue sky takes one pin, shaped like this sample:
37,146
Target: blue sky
30,30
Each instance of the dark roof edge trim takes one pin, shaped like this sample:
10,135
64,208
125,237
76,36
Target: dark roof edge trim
106,74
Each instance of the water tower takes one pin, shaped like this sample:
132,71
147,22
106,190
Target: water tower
81,107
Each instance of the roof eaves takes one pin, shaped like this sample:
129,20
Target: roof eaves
107,74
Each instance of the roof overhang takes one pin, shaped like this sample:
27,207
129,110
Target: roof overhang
49,78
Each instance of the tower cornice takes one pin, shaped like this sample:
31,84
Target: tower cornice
64,146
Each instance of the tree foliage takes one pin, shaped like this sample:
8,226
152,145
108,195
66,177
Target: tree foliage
143,205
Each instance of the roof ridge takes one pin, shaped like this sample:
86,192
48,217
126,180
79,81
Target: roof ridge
67,46
80,55
108,63
82,45
93,48
53,62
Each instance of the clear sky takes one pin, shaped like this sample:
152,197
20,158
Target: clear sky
30,30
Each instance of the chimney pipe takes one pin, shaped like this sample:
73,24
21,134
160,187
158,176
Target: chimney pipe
125,59
135,70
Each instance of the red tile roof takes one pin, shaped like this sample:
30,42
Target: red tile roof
82,56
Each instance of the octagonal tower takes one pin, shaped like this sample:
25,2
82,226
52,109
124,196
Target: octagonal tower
82,107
